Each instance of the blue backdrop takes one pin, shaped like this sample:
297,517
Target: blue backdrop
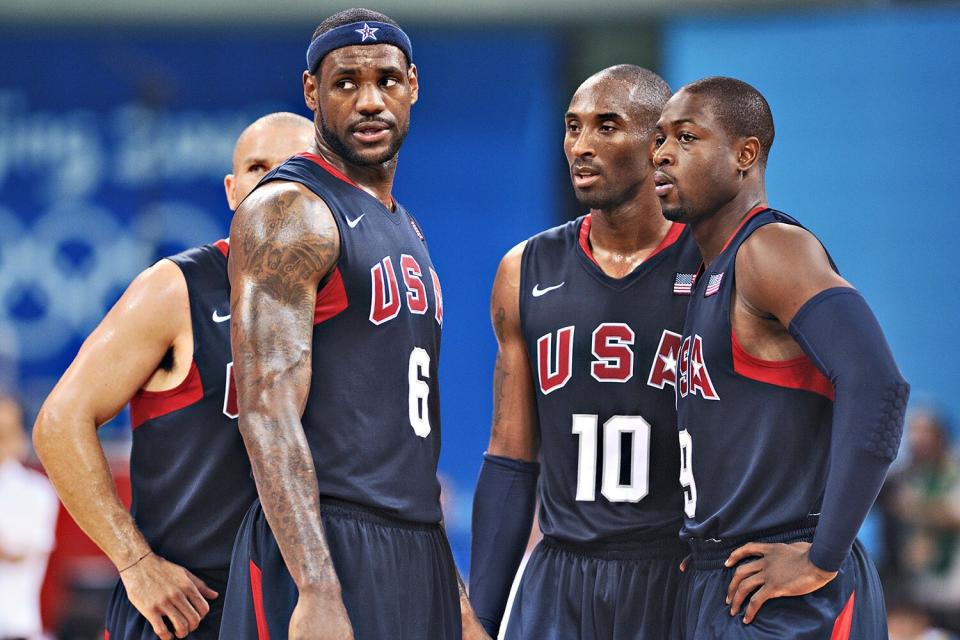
113,148
864,107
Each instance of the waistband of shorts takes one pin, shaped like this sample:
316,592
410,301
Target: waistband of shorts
652,548
345,509
711,553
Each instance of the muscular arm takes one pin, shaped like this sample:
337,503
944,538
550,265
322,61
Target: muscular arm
115,361
283,241
505,498
784,273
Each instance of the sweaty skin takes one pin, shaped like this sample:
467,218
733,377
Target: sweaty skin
124,353
284,241
710,180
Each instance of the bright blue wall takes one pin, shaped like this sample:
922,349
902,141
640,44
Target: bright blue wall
865,108
113,146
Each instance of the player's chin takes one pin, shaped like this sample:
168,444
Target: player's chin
371,154
672,212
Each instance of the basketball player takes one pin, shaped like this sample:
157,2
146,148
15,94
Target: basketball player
587,316
165,349
337,312
790,405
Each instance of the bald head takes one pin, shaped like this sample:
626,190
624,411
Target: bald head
642,91
263,145
13,439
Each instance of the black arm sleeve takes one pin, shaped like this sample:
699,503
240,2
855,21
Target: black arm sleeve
503,508
843,338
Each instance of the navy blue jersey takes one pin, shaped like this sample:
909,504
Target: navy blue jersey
602,351
372,417
754,434
189,470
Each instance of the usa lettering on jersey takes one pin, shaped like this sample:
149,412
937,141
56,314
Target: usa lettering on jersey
385,299
694,377
612,348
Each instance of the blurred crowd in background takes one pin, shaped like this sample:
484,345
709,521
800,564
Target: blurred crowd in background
117,159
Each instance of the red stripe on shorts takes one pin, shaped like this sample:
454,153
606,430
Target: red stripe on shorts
841,628
256,583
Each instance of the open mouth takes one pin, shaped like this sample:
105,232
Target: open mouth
663,184
584,177
371,132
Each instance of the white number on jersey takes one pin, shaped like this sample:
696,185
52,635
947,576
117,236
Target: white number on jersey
419,391
585,427
686,474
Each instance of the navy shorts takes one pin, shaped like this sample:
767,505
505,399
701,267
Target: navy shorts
397,578
598,591
850,607
124,622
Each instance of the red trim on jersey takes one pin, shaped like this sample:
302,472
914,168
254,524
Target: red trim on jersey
329,168
672,235
106,635
750,214
796,373
332,299
336,173
147,405
256,585
585,238
224,246
841,628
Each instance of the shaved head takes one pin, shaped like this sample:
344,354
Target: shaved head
263,145
644,90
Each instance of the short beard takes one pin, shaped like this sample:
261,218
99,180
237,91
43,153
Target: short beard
674,215
346,152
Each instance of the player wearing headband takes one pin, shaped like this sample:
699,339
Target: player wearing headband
337,311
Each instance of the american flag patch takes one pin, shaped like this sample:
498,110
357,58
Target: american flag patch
683,284
713,284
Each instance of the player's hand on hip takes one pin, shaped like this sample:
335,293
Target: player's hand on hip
160,589
777,570
320,616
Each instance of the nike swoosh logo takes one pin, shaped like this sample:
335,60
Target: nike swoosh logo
353,223
537,291
219,318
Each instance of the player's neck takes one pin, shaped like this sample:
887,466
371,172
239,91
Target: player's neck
631,231
712,232
377,180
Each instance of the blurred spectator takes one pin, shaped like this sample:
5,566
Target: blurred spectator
28,506
923,502
907,621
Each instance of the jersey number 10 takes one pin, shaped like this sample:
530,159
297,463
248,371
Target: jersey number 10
585,427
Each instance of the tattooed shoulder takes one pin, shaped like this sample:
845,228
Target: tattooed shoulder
284,240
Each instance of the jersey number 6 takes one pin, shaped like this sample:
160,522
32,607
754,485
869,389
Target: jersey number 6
418,369
585,426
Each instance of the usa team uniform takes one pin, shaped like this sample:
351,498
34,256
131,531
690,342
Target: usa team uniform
755,438
602,351
373,424
189,470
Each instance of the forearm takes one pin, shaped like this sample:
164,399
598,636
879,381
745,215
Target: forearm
287,485
842,337
503,508
74,461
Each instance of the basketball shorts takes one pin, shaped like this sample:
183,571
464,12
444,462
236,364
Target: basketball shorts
850,607
124,622
601,591
397,578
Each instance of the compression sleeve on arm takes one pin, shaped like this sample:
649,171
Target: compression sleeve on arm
843,338
503,508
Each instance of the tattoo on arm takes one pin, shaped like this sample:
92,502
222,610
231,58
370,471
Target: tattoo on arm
282,246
